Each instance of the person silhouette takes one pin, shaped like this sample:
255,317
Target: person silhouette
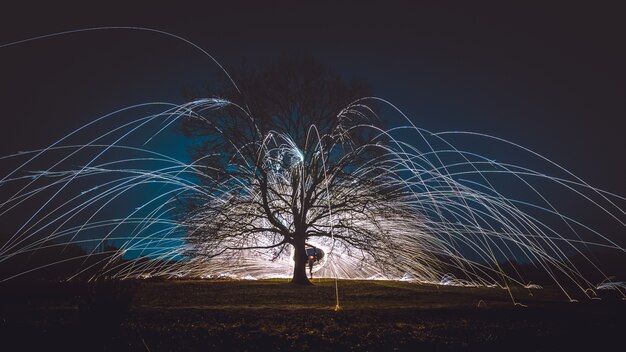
311,262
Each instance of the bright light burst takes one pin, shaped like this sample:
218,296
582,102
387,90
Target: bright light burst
452,224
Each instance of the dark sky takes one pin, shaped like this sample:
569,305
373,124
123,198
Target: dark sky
549,77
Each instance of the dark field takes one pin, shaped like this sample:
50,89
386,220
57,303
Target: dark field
275,316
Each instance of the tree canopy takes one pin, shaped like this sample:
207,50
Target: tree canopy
286,159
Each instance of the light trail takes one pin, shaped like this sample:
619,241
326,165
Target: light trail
452,224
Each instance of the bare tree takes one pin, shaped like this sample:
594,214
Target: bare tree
284,159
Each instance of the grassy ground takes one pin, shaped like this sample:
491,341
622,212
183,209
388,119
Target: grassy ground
273,315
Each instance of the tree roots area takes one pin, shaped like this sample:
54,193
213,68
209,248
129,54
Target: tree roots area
272,315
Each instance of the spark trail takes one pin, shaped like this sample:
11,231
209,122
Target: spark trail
427,210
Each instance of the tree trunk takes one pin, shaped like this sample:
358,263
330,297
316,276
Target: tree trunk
299,268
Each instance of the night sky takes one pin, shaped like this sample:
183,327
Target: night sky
549,78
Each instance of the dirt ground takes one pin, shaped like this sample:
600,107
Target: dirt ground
190,315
